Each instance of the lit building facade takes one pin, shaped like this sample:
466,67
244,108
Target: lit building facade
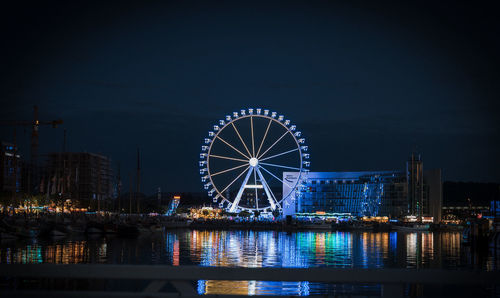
370,193
357,193
10,168
78,175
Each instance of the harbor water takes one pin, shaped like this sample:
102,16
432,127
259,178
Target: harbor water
235,248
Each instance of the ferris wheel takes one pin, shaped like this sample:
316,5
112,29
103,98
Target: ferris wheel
244,158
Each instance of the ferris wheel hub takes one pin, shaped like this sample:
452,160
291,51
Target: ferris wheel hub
253,162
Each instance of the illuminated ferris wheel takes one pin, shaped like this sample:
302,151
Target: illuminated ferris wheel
244,158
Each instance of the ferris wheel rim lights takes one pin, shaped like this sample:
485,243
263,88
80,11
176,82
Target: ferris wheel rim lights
254,162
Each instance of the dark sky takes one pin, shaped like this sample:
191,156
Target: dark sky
366,82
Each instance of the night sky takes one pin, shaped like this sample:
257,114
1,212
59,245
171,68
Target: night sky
366,82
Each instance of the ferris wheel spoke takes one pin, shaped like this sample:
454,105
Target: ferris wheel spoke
279,166
264,138
232,182
275,177
226,157
253,141
240,191
228,170
232,147
283,153
239,136
279,139
270,195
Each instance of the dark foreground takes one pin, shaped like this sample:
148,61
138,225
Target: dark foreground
189,281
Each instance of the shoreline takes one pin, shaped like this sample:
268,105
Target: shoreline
130,226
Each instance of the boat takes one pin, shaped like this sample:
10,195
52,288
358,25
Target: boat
57,232
352,226
320,225
73,229
450,227
51,229
94,228
177,224
110,229
19,229
144,230
412,227
382,227
156,229
7,236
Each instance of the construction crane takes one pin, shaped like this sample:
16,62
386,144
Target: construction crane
35,123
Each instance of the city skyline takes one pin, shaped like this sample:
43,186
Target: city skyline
366,84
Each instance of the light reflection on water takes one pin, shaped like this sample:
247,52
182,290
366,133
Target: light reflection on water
316,249
260,249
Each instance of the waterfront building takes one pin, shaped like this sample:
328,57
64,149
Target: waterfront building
78,175
357,193
367,193
495,209
415,178
433,194
10,168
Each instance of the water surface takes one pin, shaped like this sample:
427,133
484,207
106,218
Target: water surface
441,250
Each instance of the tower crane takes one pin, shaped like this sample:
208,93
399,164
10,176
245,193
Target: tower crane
35,123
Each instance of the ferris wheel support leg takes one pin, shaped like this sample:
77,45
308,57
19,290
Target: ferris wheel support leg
240,192
256,191
270,197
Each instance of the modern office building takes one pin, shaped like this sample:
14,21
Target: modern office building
78,175
415,178
371,193
433,194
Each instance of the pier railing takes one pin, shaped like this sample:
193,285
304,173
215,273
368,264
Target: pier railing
392,281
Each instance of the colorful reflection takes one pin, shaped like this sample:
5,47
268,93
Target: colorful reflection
252,287
303,250
258,249
173,252
68,253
